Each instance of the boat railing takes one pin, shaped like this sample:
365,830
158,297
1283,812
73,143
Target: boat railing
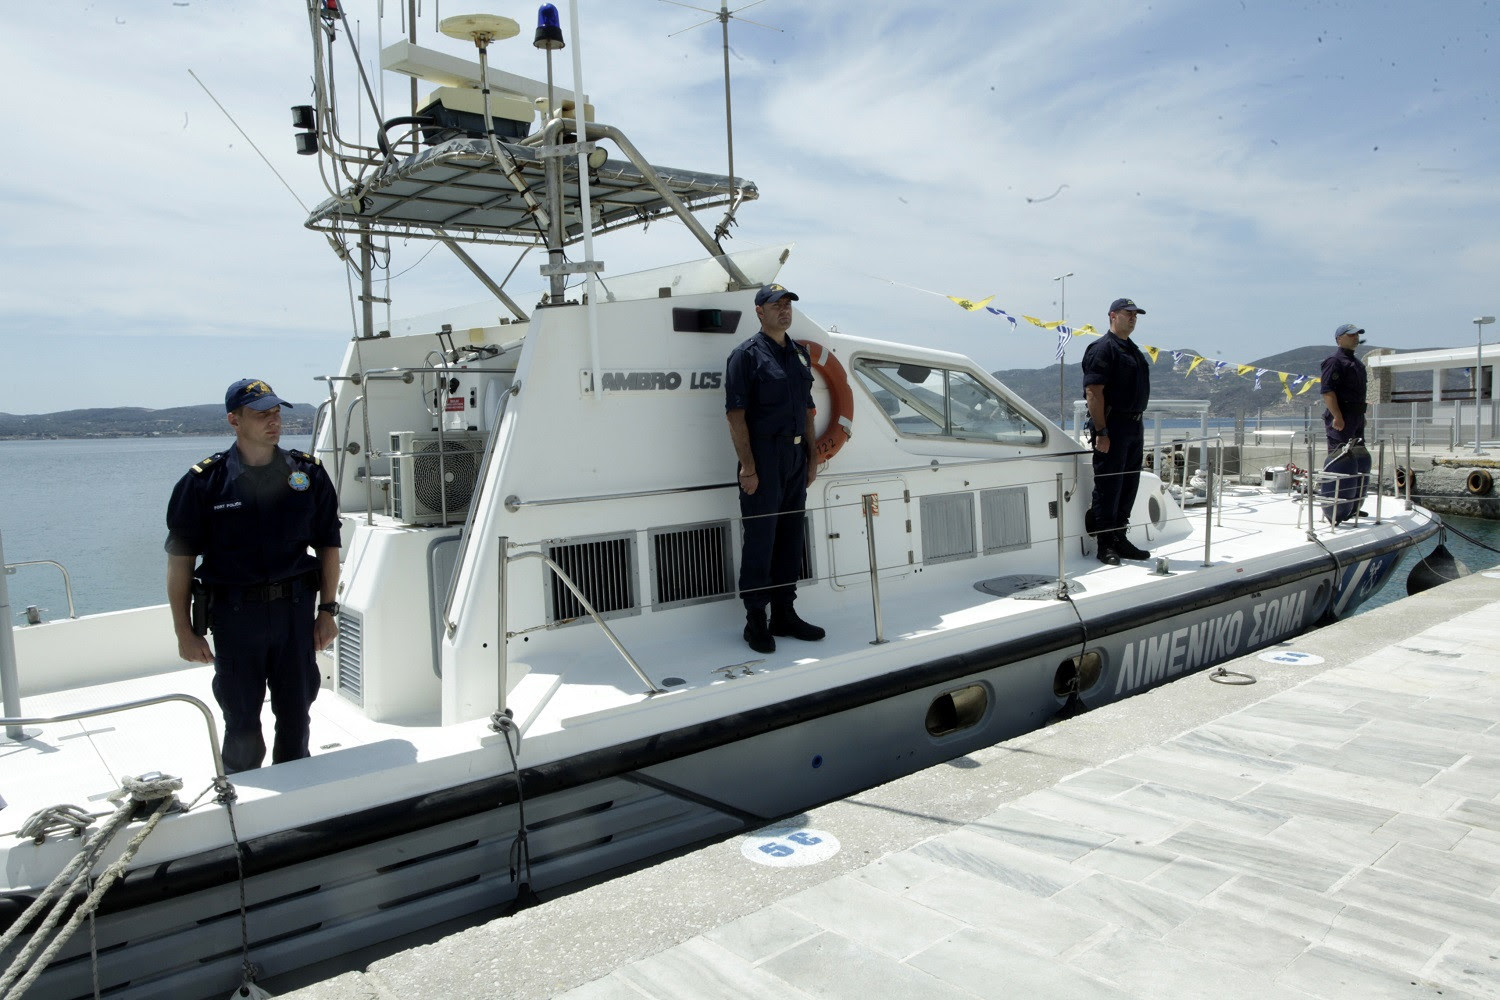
33,616
13,724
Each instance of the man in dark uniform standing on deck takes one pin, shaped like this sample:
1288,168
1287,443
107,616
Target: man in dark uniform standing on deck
252,512
1344,379
768,401
1117,387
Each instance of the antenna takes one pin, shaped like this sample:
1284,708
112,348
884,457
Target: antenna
722,15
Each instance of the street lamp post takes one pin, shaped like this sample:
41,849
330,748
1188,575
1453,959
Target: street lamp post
1062,396
1479,325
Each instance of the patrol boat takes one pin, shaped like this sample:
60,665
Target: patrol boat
540,675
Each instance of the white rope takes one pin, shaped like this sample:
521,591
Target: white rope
76,875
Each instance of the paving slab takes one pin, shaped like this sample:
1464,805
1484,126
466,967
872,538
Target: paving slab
1328,832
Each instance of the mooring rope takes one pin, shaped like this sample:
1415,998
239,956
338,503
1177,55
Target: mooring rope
74,878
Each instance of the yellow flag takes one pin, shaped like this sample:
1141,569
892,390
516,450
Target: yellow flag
1244,370
968,304
1310,383
1087,328
1284,387
1153,352
1198,360
1041,323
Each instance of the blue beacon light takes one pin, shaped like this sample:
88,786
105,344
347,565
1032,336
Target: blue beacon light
548,29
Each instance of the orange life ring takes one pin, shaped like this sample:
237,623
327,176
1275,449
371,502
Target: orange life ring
1479,482
841,423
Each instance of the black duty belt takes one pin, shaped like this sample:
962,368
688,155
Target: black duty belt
791,438
1126,415
263,592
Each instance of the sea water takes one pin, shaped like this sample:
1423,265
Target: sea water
98,507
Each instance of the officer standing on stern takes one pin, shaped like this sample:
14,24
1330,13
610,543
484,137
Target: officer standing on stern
252,512
768,402
1344,381
1117,387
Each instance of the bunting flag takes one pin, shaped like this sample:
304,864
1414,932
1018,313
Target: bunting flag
1001,312
1288,380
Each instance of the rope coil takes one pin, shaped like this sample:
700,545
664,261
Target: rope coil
154,790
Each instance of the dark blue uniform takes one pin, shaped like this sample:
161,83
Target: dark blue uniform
1125,374
1344,376
773,385
252,526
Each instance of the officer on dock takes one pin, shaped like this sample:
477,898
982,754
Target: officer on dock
1117,387
1344,389
768,401
251,513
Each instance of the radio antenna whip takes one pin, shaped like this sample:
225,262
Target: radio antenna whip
722,15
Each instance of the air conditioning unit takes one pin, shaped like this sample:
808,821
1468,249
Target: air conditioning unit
428,475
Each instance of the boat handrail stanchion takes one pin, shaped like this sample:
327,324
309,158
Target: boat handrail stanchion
1062,570
502,641
1410,474
1379,479
870,505
125,706
10,568
1209,482
1219,441
1312,527
589,608
10,690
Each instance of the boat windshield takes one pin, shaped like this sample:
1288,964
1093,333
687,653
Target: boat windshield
925,401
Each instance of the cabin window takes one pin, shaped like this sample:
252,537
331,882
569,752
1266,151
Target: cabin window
926,401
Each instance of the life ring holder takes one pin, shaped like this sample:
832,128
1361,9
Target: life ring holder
1480,482
1402,475
841,424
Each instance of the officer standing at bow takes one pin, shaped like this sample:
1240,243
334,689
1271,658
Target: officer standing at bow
1344,379
768,402
1117,387
251,513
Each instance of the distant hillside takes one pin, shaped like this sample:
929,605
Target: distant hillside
136,421
1227,394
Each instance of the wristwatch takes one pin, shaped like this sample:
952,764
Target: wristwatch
332,607
1101,432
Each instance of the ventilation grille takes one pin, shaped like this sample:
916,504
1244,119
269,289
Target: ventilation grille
1007,525
692,564
603,568
947,527
351,666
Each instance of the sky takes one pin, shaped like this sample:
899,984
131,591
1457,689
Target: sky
1253,173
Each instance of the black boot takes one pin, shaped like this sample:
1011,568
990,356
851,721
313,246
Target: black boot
1107,553
784,621
1125,549
757,636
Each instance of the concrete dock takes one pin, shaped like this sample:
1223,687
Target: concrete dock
1331,830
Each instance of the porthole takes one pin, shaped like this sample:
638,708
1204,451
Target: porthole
953,711
1077,674
1156,511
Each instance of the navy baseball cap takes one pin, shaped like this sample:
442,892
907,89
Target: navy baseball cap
254,393
773,293
1125,305
1349,328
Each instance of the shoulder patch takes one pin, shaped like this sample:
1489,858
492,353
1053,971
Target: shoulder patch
203,464
303,456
